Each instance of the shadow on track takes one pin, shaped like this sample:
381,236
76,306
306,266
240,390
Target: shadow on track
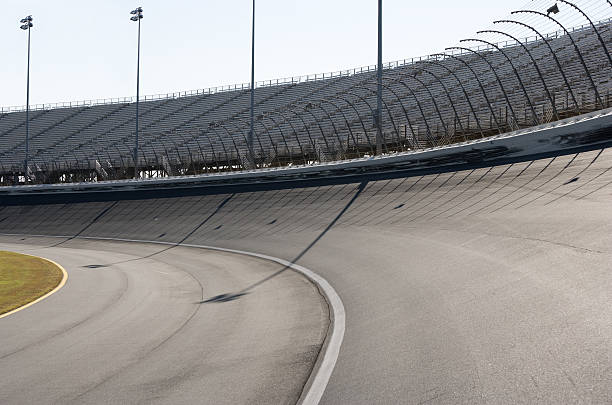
232,296
93,221
208,218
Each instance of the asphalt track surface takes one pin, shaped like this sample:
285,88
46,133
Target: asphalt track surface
137,331
490,285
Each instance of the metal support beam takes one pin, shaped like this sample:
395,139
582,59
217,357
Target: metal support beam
552,52
305,125
282,136
467,97
586,69
601,41
251,157
477,77
297,138
501,85
252,150
354,107
346,122
27,25
383,141
205,133
316,120
535,65
416,99
446,92
379,147
329,117
137,16
363,126
433,99
518,77
401,103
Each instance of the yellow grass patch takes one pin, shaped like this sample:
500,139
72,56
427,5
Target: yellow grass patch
24,279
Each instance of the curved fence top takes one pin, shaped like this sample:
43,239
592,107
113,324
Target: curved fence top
288,80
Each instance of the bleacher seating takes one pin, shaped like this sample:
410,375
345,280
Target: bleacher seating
427,102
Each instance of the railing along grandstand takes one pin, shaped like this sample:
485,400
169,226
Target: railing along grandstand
508,81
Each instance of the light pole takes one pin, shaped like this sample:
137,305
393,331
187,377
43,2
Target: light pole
378,118
251,157
137,16
27,25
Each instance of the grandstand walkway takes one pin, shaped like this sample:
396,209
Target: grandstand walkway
490,285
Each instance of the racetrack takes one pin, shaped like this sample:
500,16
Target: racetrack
489,285
131,327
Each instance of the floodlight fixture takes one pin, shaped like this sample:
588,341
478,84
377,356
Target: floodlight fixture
26,22
137,14
553,9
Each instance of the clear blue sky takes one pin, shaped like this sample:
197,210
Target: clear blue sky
86,49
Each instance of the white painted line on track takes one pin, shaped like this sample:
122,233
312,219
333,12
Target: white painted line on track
60,285
328,356
326,361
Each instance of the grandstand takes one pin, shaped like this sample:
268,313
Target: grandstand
465,93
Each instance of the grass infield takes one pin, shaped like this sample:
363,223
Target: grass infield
24,279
